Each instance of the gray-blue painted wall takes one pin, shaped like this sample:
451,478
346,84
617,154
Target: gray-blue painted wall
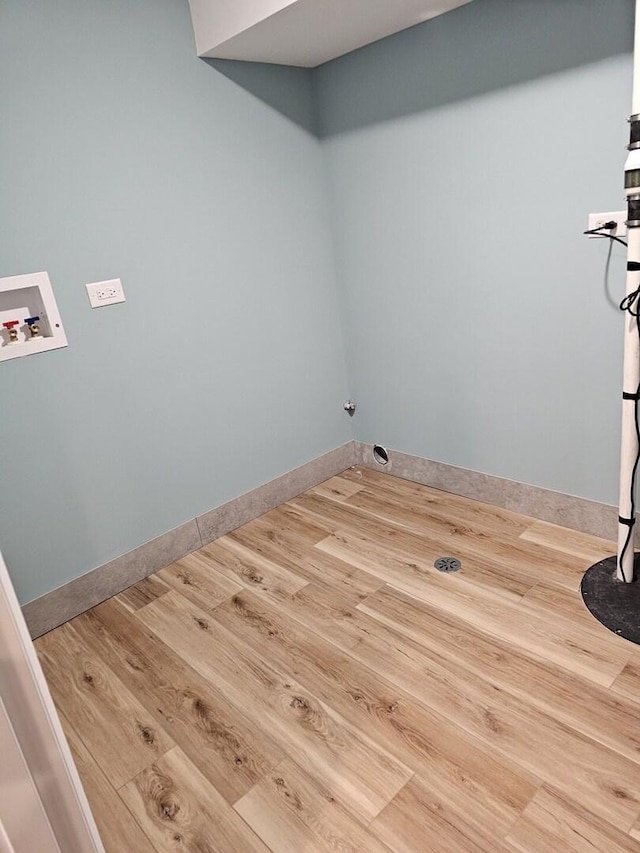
123,154
461,158
464,156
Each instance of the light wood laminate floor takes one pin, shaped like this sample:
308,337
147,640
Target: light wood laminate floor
311,683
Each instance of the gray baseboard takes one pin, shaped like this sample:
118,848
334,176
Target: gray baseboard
61,604
240,510
581,514
72,598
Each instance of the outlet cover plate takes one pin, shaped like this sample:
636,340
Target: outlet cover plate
598,219
105,292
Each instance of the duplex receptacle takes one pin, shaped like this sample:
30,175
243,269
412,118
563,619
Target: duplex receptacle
105,293
598,220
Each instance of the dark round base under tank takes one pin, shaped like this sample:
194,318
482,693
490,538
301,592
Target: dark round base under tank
614,603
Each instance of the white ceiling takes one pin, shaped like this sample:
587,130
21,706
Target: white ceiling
303,32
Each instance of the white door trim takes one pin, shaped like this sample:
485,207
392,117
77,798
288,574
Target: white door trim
38,733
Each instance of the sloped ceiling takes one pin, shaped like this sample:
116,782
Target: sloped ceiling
305,33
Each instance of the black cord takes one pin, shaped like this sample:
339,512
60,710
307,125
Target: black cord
631,304
602,232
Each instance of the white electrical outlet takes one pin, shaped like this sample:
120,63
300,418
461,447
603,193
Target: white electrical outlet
597,220
105,292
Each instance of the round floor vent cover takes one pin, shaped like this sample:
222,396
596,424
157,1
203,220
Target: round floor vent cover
447,564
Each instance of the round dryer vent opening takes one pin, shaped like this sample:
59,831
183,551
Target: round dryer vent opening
380,454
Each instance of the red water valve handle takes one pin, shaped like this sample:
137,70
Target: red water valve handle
11,323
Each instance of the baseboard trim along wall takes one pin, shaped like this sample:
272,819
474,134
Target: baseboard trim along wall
240,510
61,604
587,516
56,607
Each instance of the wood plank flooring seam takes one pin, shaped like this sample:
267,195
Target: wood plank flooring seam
596,732
390,803
304,721
373,704
94,778
444,724
134,817
163,798
505,835
416,578
195,715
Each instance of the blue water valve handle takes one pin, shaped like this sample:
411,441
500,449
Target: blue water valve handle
34,328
